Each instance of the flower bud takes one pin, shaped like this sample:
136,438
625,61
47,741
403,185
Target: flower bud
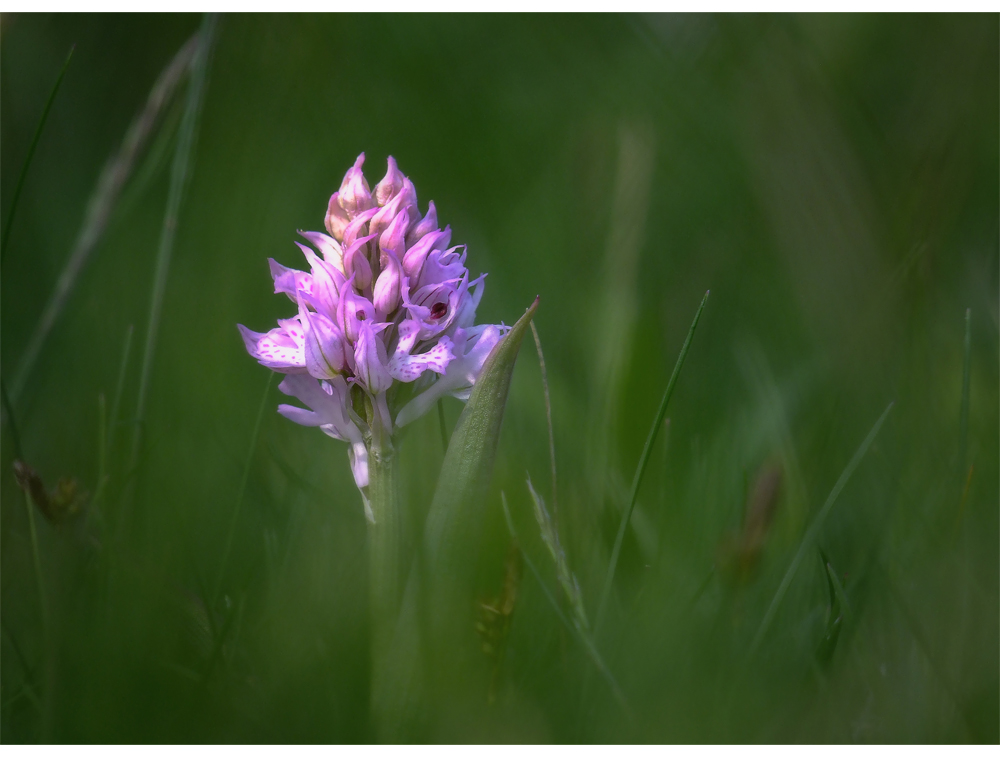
393,239
356,263
424,226
405,202
387,289
336,217
389,187
355,196
358,227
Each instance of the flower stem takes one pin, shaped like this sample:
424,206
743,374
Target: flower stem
384,577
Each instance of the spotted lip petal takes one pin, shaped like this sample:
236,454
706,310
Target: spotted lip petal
461,373
277,349
406,367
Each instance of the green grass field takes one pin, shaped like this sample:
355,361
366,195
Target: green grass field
784,576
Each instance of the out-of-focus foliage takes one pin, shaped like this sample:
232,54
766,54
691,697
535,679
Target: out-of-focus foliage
833,181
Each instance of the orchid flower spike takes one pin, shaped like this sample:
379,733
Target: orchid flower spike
386,302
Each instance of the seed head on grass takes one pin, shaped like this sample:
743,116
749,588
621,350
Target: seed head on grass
386,302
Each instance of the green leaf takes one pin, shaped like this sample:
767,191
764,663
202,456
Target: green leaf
451,534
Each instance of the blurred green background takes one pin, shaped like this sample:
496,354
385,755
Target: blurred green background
832,179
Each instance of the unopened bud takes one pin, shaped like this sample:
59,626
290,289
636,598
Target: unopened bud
390,185
336,218
356,262
424,226
355,196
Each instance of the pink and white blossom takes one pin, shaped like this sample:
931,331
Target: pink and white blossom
385,302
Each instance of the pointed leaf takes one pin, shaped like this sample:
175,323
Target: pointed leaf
451,534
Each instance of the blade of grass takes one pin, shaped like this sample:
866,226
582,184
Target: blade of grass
15,435
814,529
548,420
178,183
102,204
31,153
641,467
243,488
28,506
588,645
963,423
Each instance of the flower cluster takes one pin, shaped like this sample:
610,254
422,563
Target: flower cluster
386,301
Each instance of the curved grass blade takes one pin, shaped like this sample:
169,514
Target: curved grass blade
31,153
548,419
641,468
814,528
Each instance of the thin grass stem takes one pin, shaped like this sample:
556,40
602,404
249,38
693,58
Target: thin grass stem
641,467
31,153
178,183
230,535
814,529
33,533
15,435
102,204
548,420
574,631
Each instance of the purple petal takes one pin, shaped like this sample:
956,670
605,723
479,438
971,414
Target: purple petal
333,253
414,259
369,356
323,345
